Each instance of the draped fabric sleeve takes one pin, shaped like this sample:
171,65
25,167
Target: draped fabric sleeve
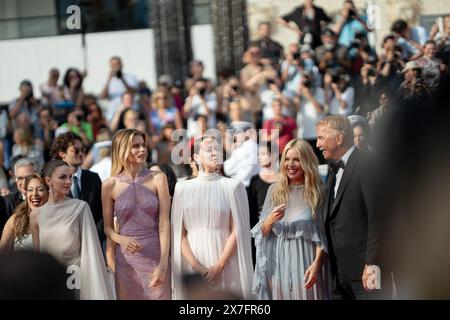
264,251
241,218
95,284
306,229
177,220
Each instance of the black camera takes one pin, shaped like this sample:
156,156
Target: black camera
270,81
371,72
119,74
351,13
356,43
29,95
307,83
296,55
335,74
79,117
202,92
371,60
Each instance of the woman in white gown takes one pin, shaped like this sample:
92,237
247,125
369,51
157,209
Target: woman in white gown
16,234
65,228
210,227
291,261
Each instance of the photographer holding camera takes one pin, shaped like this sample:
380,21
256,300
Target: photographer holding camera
200,101
296,64
360,52
411,50
310,101
366,88
331,54
391,64
339,95
256,78
117,84
76,124
349,24
232,93
25,102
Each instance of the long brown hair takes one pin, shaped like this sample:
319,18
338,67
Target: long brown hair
122,143
312,185
22,212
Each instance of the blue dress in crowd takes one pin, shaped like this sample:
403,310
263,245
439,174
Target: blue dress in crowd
283,257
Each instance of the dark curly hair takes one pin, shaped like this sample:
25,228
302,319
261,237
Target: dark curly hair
62,143
66,80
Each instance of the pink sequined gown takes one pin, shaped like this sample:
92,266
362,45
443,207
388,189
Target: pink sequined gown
137,212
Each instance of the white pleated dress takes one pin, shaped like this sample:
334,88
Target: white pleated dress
206,206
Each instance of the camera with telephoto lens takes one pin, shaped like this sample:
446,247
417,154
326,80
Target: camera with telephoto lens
371,72
296,55
307,83
351,13
356,43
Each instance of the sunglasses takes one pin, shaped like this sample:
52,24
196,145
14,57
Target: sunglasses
77,151
18,178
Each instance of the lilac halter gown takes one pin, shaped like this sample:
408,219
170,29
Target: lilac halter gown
137,212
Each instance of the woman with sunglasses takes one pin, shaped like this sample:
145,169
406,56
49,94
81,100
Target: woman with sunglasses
163,112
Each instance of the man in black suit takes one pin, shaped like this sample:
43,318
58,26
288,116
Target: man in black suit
86,185
3,215
349,212
23,168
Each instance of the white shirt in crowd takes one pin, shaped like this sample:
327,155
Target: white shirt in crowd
308,116
102,168
243,163
198,108
115,90
341,171
349,97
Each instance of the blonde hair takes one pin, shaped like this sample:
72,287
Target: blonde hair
121,148
312,184
155,103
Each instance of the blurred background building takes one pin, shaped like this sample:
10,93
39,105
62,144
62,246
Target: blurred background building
155,36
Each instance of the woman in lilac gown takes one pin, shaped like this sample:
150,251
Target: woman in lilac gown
139,199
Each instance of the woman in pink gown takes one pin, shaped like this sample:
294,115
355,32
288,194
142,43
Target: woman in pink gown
139,199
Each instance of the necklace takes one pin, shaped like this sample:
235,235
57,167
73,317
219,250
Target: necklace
297,186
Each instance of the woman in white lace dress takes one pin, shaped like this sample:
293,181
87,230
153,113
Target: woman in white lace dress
16,234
